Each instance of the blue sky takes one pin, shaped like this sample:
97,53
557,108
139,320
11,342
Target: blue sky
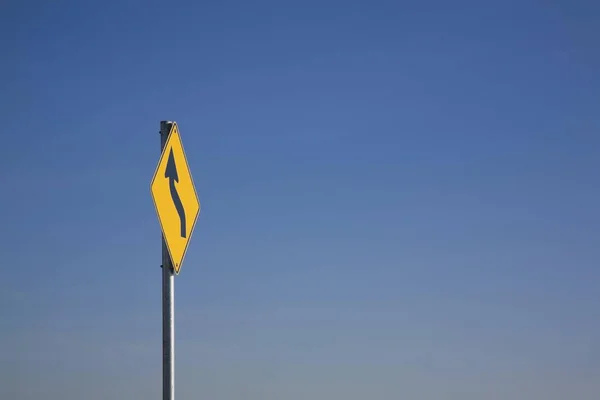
399,199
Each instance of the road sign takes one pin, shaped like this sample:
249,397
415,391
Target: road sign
175,199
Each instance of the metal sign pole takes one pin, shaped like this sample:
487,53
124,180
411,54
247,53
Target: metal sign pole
168,301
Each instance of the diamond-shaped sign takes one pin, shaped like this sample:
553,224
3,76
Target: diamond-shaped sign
175,199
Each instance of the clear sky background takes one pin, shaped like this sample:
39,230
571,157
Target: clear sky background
399,199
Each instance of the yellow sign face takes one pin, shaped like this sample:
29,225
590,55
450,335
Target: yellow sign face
175,198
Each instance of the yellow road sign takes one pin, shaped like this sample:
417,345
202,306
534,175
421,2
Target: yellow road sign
175,199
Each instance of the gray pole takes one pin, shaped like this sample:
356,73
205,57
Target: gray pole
168,301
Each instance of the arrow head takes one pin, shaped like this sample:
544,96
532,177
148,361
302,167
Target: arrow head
171,169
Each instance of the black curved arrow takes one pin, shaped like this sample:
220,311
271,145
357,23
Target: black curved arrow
171,173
